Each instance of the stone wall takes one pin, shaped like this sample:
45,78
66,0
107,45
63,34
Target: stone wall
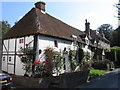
66,80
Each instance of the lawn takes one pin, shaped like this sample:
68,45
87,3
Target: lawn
94,73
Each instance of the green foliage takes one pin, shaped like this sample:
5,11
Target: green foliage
26,58
106,29
101,64
49,53
58,62
72,58
86,56
5,27
41,69
115,41
115,48
94,73
112,55
81,53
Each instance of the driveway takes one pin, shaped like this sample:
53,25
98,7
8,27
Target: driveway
109,80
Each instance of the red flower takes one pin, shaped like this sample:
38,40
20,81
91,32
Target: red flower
33,64
36,62
44,62
26,44
44,71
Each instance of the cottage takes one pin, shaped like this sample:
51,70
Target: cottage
39,30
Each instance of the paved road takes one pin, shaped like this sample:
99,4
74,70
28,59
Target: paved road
109,80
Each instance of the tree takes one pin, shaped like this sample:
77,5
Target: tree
115,41
118,8
106,29
5,27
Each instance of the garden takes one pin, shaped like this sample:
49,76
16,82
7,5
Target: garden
54,63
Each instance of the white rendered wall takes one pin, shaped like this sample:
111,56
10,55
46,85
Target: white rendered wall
11,46
45,42
5,46
19,67
4,63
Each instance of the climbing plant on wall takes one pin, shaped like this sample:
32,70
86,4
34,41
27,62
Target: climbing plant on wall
26,58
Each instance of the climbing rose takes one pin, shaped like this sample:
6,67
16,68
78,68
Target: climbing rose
36,62
26,44
44,61
44,71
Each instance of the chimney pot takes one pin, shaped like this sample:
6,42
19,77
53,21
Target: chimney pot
87,27
40,5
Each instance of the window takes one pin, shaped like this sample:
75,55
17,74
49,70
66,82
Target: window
3,58
55,43
9,58
21,40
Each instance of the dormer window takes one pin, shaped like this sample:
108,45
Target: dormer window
74,39
86,40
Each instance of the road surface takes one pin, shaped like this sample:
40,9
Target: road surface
109,80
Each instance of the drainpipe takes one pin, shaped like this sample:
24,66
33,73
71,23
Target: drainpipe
35,48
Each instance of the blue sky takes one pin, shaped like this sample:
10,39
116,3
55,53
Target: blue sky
74,13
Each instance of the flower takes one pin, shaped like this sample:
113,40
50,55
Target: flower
26,44
44,62
36,62
33,64
44,71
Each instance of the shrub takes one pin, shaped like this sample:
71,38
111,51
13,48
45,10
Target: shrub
72,58
26,58
101,64
41,69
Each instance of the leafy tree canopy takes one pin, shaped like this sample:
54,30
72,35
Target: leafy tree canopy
5,26
115,41
106,30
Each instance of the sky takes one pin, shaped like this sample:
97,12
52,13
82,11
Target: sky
72,12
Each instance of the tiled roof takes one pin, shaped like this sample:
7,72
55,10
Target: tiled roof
36,22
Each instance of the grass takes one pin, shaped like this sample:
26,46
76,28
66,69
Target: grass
94,73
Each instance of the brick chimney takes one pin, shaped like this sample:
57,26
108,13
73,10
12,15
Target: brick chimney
40,5
87,27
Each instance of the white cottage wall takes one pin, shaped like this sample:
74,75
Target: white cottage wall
19,67
5,46
9,59
45,41
4,63
11,46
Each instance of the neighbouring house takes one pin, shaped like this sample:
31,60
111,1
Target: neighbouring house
39,30
96,44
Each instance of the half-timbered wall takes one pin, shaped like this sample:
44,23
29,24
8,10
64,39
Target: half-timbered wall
10,61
